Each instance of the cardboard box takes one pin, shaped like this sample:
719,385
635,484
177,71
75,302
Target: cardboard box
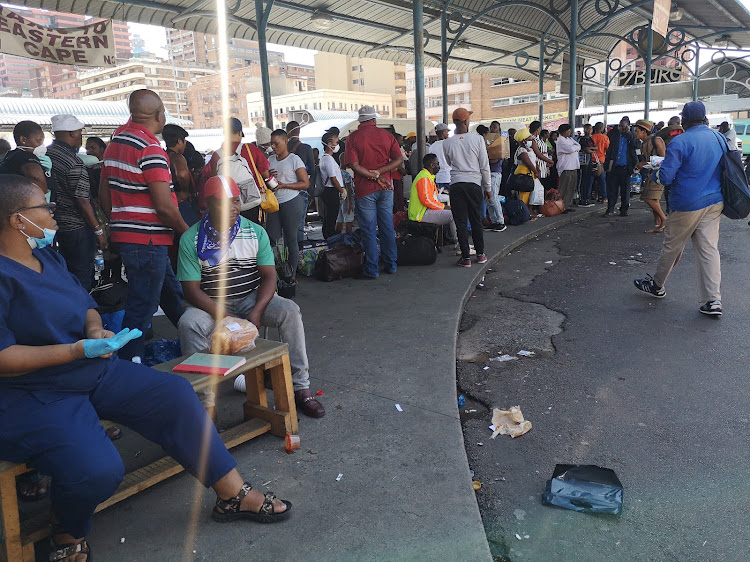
498,146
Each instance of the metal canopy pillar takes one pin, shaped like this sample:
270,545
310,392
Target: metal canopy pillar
649,56
573,61
419,76
696,77
541,80
261,21
606,94
444,59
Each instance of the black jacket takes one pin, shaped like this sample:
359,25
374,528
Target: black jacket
614,143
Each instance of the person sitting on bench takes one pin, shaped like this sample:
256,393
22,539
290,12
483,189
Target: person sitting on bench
59,377
424,205
226,249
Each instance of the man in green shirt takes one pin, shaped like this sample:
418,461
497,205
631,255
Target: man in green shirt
227,250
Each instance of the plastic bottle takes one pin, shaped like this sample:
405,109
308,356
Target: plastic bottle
461,400
99,261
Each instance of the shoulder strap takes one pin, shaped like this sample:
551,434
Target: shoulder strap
296,146
258,177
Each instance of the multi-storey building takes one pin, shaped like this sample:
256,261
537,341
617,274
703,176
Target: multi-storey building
322,99
170,80
202,48
55,81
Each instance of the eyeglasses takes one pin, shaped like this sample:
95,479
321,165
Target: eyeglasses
49,206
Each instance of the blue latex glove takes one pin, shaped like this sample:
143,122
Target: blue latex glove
97,348
45,162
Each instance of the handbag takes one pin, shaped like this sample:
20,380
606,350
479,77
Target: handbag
268,201
598,168
339,262
734,188
553,204
537,196
521,182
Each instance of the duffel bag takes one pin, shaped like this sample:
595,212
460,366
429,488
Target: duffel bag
339,262
517,211
416,228
416,250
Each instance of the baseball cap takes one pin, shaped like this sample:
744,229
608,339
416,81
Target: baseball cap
521,135
461,114
236,125
645,124
66,122
441,127
262,136
693,111
222,187
334,130
366,113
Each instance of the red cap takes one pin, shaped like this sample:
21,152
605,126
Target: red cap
221,187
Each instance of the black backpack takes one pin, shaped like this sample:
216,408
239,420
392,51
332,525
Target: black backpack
734,188
517,211
416,250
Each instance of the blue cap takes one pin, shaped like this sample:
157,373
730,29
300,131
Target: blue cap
693,111
236,125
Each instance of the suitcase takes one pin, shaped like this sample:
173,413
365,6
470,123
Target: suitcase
416,250
339,262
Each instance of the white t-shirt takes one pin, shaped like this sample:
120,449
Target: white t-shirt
330,169
287,173
444,175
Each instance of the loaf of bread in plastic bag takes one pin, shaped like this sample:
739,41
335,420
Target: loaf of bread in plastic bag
233,335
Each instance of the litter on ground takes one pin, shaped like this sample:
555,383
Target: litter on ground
509,422
399,408
503,358
525,353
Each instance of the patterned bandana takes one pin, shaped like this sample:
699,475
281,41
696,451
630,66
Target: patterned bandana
212,246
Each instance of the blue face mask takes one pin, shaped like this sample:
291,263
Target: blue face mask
44,241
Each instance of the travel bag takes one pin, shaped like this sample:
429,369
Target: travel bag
416,250
339,262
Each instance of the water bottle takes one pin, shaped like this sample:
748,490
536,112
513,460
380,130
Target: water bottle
461,400
99,261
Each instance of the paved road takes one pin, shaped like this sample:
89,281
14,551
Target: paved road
650,388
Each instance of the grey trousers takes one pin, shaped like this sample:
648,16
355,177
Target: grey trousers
442,218
196,326
702,228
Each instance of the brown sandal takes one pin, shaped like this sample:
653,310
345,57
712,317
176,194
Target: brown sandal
229,510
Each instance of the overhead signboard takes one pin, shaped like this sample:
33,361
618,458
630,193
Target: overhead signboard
88,45
658,76
660,21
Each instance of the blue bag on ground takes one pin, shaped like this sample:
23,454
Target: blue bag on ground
587,487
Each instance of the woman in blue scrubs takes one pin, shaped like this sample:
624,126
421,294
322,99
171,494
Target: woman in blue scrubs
58,378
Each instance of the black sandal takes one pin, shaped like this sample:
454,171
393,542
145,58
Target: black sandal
35,480
229,510
66,551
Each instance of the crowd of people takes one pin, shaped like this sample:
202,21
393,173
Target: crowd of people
191,230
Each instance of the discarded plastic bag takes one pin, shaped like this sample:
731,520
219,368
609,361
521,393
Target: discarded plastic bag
509,422
233,335
588,488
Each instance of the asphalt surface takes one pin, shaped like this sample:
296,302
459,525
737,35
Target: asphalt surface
647,387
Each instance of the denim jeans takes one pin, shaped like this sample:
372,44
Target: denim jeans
601,186
305,200
375,212
151,281
587,182
496,208
78,248
286,221
466,204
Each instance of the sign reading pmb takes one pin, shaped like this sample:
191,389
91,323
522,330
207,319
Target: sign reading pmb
658,76
88,45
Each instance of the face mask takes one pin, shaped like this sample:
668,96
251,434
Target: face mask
268,150
334,149
44,241
40,150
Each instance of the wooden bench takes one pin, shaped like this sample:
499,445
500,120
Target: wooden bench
268,356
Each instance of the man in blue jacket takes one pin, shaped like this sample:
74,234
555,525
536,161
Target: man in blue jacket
692,167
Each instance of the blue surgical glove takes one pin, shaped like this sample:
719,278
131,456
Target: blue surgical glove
45,162
97,348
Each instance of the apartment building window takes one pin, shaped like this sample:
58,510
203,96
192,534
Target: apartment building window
410,84
355,81
354,68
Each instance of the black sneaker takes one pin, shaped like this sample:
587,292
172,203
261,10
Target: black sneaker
586,204
647,286
498,227
713,308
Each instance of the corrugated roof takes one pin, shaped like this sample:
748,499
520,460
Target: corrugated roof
92,113
381,28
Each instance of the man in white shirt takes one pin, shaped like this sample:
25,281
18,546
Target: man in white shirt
730,134
466,154
443,178
568,164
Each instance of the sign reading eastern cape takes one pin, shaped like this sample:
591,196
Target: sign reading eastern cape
88,45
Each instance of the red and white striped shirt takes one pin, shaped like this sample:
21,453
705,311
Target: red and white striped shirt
133,159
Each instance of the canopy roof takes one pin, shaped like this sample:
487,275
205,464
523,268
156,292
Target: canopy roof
382,28
97,115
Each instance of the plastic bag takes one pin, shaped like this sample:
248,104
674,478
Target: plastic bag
588,488
161,351
233,335
537,196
